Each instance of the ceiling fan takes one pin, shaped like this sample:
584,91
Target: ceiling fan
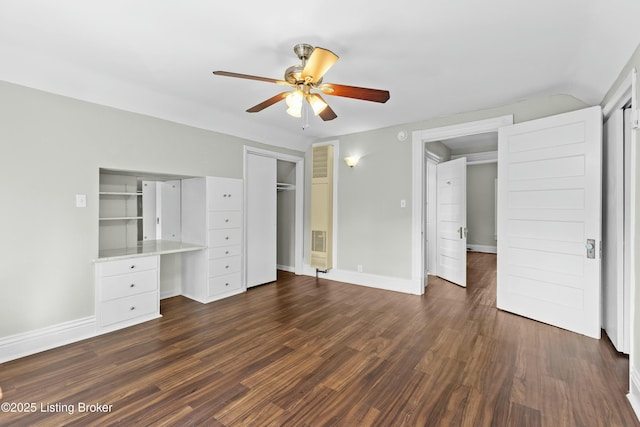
307,78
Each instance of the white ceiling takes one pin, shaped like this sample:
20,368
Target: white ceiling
435,57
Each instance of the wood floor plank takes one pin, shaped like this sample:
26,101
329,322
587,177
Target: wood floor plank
304,351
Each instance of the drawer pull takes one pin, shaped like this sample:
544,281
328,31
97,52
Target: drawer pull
133,308
133,285
226,252
226,238
132,267
226,284
226,220
226,266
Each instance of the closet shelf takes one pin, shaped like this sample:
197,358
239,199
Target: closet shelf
283,186
120,218
119,193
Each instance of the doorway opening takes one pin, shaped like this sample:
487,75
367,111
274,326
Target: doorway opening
479,221
428,150
274,202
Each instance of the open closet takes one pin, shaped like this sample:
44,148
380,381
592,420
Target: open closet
271,201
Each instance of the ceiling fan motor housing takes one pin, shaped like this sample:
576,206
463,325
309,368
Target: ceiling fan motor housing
293,74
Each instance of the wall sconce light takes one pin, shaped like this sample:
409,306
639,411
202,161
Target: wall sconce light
351,161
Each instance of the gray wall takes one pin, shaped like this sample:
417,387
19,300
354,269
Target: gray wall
52,148
481,204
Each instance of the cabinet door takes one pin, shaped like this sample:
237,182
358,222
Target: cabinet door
149,215
168,206
261,211
224,194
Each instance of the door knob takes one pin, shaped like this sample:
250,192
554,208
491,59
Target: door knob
591,248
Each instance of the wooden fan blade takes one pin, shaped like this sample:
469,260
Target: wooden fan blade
250,77
318,63
374,95
269,102
327,113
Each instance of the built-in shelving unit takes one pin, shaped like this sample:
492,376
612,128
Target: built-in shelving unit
142,218
119,210
103,194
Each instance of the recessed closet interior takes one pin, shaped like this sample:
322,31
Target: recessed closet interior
286,198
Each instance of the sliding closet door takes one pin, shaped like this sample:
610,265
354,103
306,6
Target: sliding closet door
261,219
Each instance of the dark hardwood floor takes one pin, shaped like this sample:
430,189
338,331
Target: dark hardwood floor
302,352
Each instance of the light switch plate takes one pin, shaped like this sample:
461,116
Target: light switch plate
81,200
403,203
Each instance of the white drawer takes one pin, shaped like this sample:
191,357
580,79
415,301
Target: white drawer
222,266
225,237
222,284
224,219
125,285
224,251
224,194
128,308
129,265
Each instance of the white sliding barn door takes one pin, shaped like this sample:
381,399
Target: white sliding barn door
549,213
261,219
452,221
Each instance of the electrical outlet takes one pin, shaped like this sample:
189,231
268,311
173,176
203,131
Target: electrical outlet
359,268
403,203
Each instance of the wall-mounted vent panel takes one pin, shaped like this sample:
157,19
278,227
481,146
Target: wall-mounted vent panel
320,161
322,208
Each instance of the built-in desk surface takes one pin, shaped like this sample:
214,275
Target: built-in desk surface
149,247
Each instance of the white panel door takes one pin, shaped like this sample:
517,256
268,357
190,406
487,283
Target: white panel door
261,219
613,228
452,221
549,213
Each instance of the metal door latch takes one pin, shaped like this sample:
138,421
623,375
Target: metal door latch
591,248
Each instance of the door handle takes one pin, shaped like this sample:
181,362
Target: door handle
462,230
591,248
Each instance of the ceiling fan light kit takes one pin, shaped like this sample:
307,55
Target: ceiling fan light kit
307,76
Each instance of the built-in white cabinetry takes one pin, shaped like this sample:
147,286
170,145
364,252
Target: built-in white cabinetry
127,292
212,216
143,216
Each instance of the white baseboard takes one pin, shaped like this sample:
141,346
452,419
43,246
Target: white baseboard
21,345
483,248
406,286
286,268
170,293
634,392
